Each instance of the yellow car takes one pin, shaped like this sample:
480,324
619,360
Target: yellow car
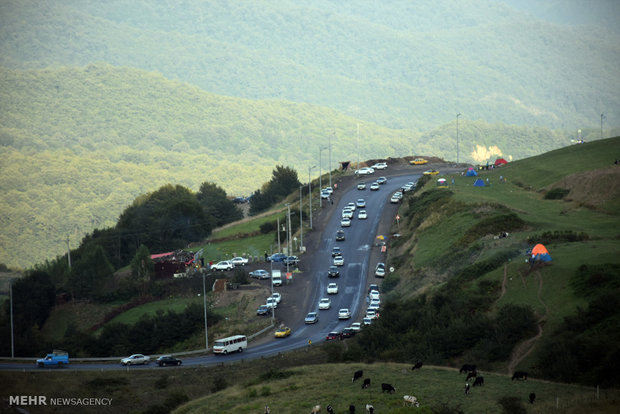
431,172
283,332
418,161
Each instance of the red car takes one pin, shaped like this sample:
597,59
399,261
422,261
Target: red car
332,335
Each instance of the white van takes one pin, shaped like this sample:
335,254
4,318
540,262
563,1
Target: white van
235,343
276,278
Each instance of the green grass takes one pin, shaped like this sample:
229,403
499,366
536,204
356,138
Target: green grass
174,304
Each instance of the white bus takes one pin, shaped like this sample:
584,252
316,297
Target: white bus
235,343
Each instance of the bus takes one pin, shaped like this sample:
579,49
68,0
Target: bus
235,343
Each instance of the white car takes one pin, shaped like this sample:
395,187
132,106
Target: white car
374,186
332,289
325,194
338,261
351,206
372,308
223,265
360,203
380,166
356,326
362,215
345,222
325,303
394,199
361,186
344,313
375,301
136,359
367,321
374,294
347,213
328,190
380,270
239,261
364,171
272,303
277,296
260,274
371,314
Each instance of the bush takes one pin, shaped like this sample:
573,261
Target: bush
172,401
512,405
389,283
491,225
593,280
561,236
556,194
219,384
267,227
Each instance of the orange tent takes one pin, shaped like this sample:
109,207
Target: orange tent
540,252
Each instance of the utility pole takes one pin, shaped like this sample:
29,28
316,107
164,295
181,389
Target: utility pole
330,159
68,253
321,176
310,195
457,137
288,236
358,146
278,227
11,301
602,117
204,302
301,227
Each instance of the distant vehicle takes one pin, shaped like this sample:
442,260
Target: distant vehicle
375,301
371,314
374,186
325,194
333,271
311,317
239,261
328,190
340,235
236,343
380,270
272,303
361,185
399,194
276,257
263,310
356,326
367,321
338,261
283,332
260,274
291,260
345,222
394,199
364,171
347,213
418,161
360,203
374,294
332,335
223,265
381,180
372,287
336,251
277,296
344,313
373,307
56,359
380,166
431,172
362,215
351,206
240,200
332,289
347,333
165,360
136,359
276,277
325,303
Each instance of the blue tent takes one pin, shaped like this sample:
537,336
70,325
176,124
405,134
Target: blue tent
479,183
471,173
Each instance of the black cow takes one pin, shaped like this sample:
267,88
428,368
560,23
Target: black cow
532,397
351,409
417,365
520,375
467,368
472,374
479,381
366,383
357,375
330,410
388,388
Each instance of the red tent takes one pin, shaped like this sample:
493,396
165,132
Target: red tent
500,161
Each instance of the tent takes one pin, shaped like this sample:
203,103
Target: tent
471,172
500,161
540,254
479,182
442,183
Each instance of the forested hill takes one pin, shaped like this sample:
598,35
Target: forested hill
397,63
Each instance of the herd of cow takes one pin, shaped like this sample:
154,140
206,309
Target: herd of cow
410,400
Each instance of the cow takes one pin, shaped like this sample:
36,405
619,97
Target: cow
316,409
479,381
417,365
388,388
472,374
330,410
466,388
351,409
357,375
532,397
366,383
410,401
370,409
467,368
519,375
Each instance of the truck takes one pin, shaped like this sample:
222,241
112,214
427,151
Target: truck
276,278
56,359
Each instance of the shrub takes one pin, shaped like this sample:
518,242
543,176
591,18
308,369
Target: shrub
219,383
593,280
390,282
556,194
558,236
491,225
267,227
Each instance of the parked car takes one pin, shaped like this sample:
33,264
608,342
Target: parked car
360,203
362,215
366,321
345,222
239,261
340,235
333,271
381,180
311,317
418,161
373,286
272,303
283,332
344,313
332,335
356,326
136,359
277,296
380,270
276,257
338,261
165,360
347,333
332,288
263,310
375,301
395,199
371,314
431,172
374,294
336,251
373,307
325,303
364,171
361,185
325,194
260,274
223,265
380,166
291,260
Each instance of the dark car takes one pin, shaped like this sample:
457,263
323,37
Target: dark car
373,287
336,251
333,272
276,257
340,235
332,335
165,360
291,260
347,333
263,310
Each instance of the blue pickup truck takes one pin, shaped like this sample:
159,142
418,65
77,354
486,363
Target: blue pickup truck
55,359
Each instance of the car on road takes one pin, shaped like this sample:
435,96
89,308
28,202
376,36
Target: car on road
239,261
283,332
374,186
395,199
406,188
333,271
276,257
380,270
431,172
329,190
338,261
260,274
263,310
311,317
332,289
351,206
136,359
340,235
291,260
347,333
362,215
418,161
325,303
366,320
375,301
272,303
380,166
223,265
373,307
277,296
360,203
381,180
374,294
371,314
347,213
332,335
344,313
336,251
165,360
373,286
325,194
345,222
361,185
364,171
356,326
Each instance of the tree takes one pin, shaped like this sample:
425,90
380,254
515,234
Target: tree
215,203
91,272
33,299
142,268
283,182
